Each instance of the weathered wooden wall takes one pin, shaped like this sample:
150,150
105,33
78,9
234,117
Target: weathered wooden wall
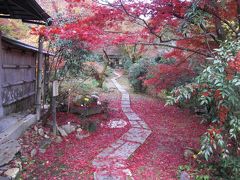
1,75
18,76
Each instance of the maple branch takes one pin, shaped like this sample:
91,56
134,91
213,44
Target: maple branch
207,10
207,32
175,47
146,25
140,21
119,32
106,56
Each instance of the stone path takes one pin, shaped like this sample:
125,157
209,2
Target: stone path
110,164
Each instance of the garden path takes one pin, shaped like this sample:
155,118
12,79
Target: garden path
150,149
111,162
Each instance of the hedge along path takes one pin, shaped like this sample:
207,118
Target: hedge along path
110,164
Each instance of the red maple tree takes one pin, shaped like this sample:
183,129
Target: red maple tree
192,29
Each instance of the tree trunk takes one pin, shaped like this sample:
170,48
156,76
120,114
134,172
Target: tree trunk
238,12
102,74
39,77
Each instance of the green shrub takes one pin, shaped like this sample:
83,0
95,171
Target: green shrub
217,88
127,63
228,168
137,73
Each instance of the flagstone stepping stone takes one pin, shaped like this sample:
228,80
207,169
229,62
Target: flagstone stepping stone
132,116
143,124
136,135
127,109
125,98
125,105
135,124
125,151
117,143
110,163
117,123
125,102
106,152
120,174
125,95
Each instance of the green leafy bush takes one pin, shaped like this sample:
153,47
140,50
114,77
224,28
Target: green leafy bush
127,63
217,88
137,73
229,168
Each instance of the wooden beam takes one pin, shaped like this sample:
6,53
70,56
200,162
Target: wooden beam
17,83
39,77
15,66
33,22
5,16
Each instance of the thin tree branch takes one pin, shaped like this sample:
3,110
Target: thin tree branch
175,47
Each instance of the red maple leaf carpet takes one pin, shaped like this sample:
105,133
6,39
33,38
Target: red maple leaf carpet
173,130
158,158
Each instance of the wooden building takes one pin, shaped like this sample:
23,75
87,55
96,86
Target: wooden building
114,54
17,75
21,64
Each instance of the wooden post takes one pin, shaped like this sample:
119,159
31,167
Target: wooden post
39,77
45,79
1,75
54,106
54,114
69,100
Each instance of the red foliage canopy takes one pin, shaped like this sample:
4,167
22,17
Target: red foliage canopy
98,23
192,28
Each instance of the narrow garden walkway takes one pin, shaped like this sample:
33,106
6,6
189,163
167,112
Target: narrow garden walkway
110,163
149,146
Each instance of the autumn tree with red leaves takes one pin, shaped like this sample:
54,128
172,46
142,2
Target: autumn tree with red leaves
191,29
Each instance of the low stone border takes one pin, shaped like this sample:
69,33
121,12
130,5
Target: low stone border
110,163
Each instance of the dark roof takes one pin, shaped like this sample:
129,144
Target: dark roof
22,45
27,10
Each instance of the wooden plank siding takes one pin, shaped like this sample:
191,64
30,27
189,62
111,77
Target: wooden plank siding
18,78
